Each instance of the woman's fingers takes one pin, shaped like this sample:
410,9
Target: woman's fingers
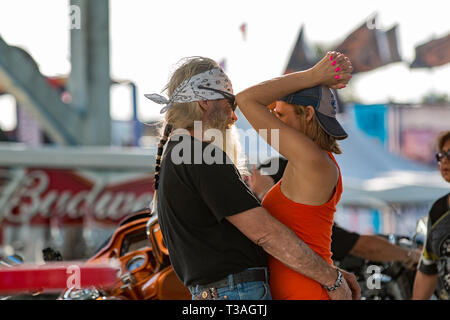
344,65
331,55
343,71
335,69
344,78
348,65
340,59
342,82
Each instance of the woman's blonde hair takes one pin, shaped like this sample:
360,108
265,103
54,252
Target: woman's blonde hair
316,132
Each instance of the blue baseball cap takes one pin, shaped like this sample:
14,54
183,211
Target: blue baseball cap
322,99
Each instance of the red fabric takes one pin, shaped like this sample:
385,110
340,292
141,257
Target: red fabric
313,225
56,275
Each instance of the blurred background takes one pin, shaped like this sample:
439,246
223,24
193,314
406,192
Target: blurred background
78,139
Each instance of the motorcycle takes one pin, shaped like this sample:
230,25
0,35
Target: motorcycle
136,249
144,271
386,280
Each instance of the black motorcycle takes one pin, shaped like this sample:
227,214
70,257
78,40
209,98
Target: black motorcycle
384,280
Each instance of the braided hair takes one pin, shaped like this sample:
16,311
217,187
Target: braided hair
162,142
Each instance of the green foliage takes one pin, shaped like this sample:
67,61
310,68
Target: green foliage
434,97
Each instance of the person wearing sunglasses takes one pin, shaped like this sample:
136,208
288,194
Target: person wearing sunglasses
434,266
215,228
228,96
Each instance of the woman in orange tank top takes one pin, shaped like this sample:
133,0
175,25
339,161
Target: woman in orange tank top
313,225
305,198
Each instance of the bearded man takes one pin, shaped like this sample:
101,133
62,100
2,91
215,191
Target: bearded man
213,225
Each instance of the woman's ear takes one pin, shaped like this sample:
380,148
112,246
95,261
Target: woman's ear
310,113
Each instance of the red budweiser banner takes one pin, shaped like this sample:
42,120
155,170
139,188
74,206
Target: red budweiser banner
35,196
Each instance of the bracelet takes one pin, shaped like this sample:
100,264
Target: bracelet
337,284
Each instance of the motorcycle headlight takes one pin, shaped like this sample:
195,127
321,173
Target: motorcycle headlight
81,294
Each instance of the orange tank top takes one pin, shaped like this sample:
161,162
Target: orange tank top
313,224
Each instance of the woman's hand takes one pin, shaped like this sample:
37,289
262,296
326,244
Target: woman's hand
334,70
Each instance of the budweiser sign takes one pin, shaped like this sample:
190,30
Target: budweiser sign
37,195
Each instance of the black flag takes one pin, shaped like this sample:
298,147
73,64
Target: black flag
301,56
369,47
433,53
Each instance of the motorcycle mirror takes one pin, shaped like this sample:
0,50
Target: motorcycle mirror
422,225
17,258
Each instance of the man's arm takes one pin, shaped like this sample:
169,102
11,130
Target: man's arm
379,249
427,273
424,286
283,244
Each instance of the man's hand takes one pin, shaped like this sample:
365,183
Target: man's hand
412,259
341,293
259,183
352,283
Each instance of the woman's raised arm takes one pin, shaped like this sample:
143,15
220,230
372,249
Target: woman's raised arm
332,71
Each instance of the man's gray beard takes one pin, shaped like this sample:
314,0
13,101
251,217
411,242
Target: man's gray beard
231,144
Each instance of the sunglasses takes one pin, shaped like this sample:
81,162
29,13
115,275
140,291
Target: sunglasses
230,97
442,154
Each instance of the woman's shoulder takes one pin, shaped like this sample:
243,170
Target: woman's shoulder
439,207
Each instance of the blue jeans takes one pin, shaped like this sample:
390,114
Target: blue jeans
255,290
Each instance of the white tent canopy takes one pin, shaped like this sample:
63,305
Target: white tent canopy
369,170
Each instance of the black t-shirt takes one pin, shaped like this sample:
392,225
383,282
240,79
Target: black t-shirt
342,242
195,195
436,254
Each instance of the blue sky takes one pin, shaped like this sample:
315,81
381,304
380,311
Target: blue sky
148,37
